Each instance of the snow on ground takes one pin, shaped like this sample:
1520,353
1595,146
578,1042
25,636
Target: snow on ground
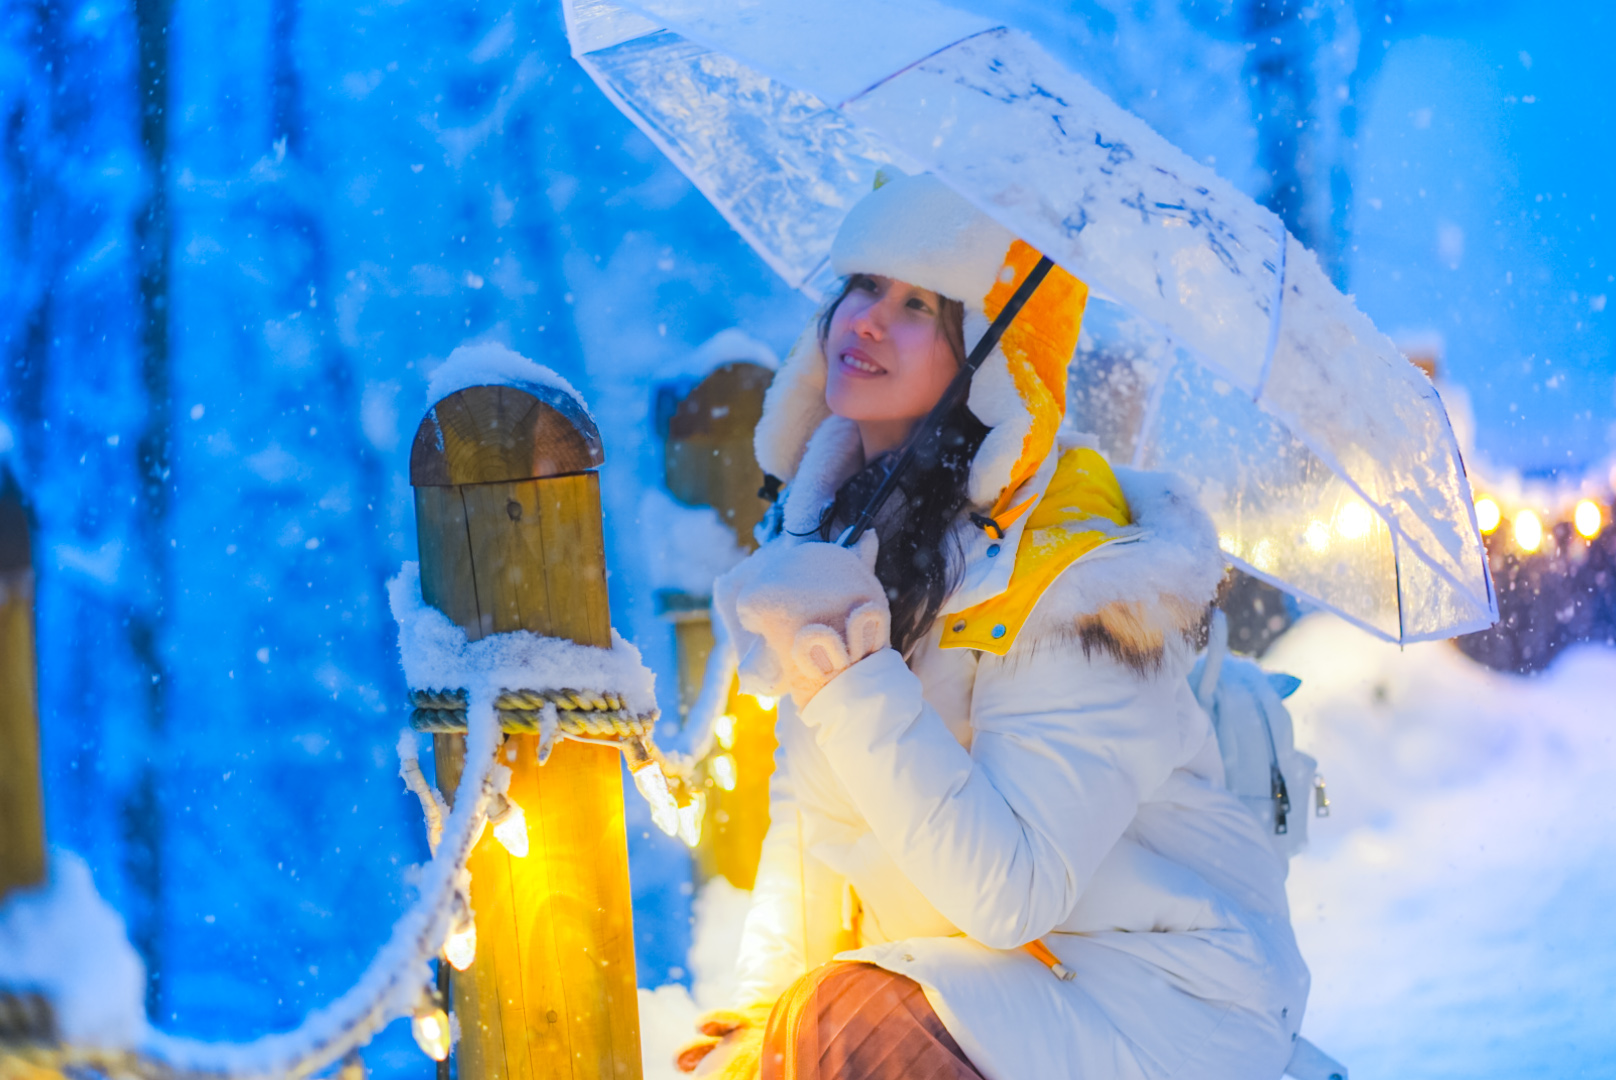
64,941
1454,908
668,1013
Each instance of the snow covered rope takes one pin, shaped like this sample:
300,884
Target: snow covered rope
397,983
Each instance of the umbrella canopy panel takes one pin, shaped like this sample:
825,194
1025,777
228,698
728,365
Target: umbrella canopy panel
1296,418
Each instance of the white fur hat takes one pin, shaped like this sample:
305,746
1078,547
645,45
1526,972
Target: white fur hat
918,229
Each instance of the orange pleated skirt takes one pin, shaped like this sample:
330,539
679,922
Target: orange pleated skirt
853,1021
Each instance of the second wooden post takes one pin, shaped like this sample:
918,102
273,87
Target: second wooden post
508,517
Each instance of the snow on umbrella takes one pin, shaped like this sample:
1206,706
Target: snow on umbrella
1324,457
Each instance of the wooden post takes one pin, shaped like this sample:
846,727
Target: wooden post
710,462
22,807
507,507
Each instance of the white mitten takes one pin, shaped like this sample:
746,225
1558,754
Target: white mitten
812,610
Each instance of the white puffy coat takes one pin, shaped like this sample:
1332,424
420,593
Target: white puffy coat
933,816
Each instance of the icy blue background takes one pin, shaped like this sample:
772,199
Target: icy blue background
355,189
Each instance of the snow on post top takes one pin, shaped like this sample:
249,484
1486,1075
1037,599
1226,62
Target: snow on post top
492,364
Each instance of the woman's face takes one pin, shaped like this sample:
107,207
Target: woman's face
888,359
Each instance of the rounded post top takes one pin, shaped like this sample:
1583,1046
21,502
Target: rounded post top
494,434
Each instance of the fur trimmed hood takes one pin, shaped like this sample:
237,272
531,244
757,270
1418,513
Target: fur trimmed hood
918,229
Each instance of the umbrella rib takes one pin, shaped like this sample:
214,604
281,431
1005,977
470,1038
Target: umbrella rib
1273,315
883,80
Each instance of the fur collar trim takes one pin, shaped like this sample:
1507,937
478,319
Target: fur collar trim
1142,596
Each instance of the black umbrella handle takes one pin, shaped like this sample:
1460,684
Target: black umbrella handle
926,434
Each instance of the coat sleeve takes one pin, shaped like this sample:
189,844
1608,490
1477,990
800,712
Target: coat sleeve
794,923
1002,839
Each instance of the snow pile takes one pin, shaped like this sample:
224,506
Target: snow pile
64,941
668,1014
693,546
437,656
491,364
1454,908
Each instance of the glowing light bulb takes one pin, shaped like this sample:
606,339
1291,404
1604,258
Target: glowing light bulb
1589,520
722,769
1488,516
765,702
510,827
690,817
1354,520
1317,535
724,731
1528,531
654,787
430,1026
460,947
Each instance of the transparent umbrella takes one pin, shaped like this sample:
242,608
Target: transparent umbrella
1218,348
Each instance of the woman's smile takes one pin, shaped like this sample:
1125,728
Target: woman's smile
859,365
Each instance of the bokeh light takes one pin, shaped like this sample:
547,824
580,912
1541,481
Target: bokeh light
1528,531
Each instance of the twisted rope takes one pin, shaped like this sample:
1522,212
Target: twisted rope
579,713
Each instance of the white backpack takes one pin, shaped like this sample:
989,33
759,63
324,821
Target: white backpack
1261,764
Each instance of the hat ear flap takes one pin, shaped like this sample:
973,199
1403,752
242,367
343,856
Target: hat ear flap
793,407
997,403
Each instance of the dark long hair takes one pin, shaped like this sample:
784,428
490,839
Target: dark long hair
919,561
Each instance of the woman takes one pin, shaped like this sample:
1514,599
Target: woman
989,753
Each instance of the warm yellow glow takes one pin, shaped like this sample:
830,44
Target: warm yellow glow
510,828
460,947
430,1026
1354,520
1488,516
765,702
1317,535
722,770
1229,544
1588,519
724,731
1262,554
690,817
1528,531
654,786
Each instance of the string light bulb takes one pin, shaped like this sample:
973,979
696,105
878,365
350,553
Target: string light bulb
1588,519
722,769
460,947
510,825
1528,531
690,817
724,731
430,1026
765,702
1488,516
654,787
